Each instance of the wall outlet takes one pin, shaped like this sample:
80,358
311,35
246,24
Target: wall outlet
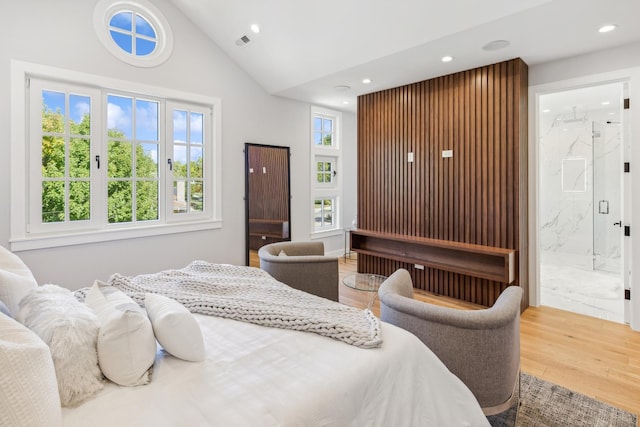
418,266
447,153
410,157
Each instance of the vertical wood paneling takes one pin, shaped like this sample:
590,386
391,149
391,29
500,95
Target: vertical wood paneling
477,196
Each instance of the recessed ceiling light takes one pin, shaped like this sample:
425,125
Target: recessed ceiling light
366,81
546,110
607,28
495,45
612,113
342,88
447,58
345,102
255,28
605,103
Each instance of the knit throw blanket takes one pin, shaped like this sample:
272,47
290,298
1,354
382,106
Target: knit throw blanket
251,295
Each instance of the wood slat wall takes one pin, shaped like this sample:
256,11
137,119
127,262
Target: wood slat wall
477,196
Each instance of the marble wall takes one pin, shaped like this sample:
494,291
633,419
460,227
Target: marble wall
580,190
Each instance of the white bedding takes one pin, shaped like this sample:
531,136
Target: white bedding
258,376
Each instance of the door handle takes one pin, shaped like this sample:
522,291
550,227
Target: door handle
619,223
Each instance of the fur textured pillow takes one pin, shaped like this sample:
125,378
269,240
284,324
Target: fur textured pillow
70,329
175,328
126,344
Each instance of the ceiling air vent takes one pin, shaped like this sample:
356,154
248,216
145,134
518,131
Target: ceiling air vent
242,41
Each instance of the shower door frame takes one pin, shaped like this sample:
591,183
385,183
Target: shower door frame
632,307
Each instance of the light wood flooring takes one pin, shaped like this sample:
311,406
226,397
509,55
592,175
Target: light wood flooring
594,357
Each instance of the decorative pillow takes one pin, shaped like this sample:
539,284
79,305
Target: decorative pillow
28,388
70,329
16,280
175,328
126,344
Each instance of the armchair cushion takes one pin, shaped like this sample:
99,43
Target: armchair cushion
305,267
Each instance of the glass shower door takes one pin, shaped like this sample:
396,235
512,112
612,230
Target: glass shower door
607,175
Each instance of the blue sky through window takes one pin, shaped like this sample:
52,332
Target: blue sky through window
78,105
142,40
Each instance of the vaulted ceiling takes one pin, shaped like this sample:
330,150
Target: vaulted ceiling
320,52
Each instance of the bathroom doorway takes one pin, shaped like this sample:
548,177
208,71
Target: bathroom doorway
581,200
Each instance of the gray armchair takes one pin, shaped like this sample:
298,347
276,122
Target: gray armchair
302,265
481,347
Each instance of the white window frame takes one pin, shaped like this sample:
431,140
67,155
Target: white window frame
106,9
23,238
322,190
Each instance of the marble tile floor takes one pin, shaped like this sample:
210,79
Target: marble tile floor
593,293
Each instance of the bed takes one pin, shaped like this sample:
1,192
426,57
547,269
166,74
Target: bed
255,375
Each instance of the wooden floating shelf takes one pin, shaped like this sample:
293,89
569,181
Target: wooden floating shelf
485,262
269,227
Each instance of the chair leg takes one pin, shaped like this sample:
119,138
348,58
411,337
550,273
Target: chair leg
518,399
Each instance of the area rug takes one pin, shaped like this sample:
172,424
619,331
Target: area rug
545,404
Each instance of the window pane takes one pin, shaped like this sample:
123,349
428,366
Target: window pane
180,161
179,196
119,209
320,177
147,160
119,116
317,138
122,40
197,121
53,152
122,20
80,114
195,165
79,158
327,166
196,196
146,200
120,159
146,120
317,124
53,111
327,177
144,27
144,46
328,219
326,140
79,201
53,201
179,126
327,125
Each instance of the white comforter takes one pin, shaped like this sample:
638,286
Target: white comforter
258,376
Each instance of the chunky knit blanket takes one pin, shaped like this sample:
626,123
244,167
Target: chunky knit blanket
251,295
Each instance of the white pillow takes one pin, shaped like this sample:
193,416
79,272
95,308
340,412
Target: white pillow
28,388
70,329
126,345
16,280
175,328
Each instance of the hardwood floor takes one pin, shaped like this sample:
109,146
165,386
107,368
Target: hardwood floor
594,357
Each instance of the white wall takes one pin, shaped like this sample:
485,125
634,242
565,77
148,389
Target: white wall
619,64
60,33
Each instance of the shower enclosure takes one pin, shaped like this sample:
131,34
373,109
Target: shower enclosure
581,181
580,194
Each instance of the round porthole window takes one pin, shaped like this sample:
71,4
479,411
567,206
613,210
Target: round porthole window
135,32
